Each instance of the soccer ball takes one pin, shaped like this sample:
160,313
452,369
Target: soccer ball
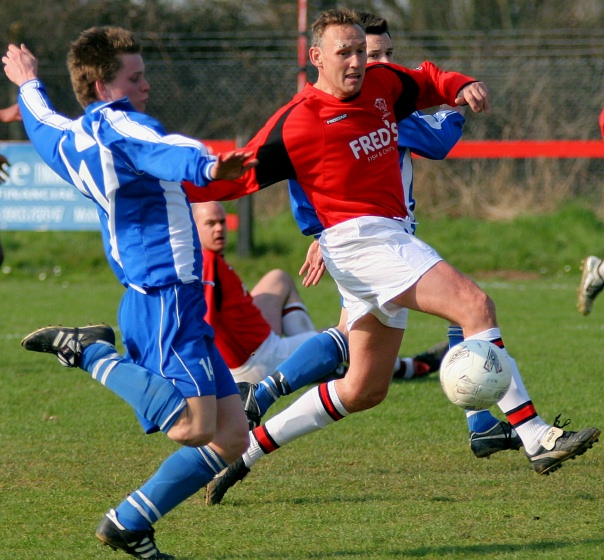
475,374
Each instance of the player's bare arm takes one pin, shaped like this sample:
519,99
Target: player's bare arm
233,165
10,114
20,65
476,95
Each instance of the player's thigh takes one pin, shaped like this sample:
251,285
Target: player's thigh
202,412
447,293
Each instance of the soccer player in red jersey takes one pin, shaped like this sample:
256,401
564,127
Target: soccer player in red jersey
337,138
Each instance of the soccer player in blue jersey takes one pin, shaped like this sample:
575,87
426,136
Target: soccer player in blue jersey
172,374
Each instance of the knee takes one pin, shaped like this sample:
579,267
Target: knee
486,306
282,275
190,435
359,399
373,398
285,282
278,276
479,308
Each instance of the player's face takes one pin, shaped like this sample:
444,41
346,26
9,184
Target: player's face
379,48
129,82
341,60
210,219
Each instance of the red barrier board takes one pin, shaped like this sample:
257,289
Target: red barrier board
492,149
528,149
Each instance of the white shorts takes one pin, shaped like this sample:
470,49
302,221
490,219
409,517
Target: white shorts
270,354
373,260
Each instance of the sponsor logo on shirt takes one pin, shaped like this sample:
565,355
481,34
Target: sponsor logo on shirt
376,143
380,103
337,119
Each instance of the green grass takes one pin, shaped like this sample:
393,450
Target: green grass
398,481
548,245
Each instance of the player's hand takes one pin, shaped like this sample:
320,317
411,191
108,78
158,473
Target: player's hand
476,95
313,267
233,165
10,114
3,169
20,65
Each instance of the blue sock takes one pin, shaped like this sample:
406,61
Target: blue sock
267,393
455,335
180,476
313,360
152,396
481,421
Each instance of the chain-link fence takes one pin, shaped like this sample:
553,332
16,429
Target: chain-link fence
544,85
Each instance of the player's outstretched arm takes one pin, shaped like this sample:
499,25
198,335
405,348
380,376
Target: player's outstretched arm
476,95
233,165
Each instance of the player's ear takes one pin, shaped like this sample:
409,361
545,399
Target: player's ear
315,55
101,90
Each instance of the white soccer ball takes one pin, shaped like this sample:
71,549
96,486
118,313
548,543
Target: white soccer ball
475,374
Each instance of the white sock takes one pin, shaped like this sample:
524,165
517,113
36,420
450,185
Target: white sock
531,433
253,452
314,410
409,368
532,430
295,319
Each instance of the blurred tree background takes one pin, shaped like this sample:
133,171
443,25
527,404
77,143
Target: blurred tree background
219,68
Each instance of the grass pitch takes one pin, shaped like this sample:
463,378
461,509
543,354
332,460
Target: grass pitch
398,481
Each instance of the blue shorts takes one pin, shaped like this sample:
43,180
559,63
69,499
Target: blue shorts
165,332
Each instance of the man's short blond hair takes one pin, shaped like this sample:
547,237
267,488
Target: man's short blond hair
337,16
